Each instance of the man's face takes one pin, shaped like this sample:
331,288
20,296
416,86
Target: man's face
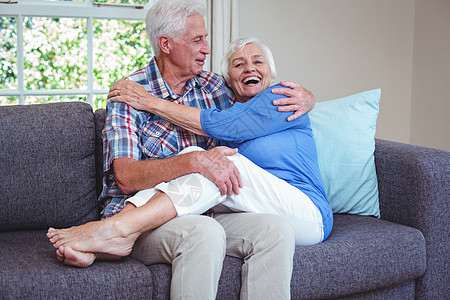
190,51
249,72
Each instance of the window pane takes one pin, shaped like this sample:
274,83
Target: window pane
54,98
8,49
9,100
58,0
102,1
55,53
122,1
100,101
120,47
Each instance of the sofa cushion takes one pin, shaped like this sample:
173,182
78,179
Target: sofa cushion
47,166
344,131
362,254
30,270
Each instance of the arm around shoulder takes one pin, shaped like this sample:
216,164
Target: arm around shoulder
298,99
137,96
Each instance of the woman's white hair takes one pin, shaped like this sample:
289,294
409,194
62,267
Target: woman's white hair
169,17
238,45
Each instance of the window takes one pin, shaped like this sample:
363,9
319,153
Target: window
52,51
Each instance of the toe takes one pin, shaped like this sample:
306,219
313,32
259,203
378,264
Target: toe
60,254
51,232
78,259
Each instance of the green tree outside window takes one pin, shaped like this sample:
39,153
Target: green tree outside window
55,55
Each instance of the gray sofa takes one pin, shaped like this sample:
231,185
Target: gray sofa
50,175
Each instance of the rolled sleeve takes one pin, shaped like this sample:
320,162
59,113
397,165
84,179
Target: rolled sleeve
121,134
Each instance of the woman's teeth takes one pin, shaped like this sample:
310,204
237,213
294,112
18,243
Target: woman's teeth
251,80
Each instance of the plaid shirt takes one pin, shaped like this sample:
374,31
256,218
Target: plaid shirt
140,135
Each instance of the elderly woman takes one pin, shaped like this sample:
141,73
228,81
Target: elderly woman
277,159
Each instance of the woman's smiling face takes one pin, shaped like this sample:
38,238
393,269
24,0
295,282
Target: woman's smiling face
249,72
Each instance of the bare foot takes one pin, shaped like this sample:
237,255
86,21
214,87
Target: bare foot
112,237
75,258
94,237
80,259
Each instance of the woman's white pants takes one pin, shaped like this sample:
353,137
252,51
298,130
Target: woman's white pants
262,192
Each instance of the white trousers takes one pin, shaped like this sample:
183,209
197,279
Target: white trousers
262,192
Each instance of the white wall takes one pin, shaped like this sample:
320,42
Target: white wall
340,47
430,115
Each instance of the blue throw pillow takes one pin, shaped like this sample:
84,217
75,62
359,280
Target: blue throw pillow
344,130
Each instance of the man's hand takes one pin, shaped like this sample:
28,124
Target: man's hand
299,100
129,92
215,166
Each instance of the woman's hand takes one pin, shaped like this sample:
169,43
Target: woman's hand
131,93
299,100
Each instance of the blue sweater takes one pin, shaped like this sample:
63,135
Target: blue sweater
285,149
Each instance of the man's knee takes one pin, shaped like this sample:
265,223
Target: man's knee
275,232
205,233
273,246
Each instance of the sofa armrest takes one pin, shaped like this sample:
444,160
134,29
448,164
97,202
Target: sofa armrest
414,190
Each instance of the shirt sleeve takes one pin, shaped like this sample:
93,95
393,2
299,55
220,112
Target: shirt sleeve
120,135
252,119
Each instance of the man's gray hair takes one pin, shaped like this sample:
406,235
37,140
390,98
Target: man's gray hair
169,17
238,45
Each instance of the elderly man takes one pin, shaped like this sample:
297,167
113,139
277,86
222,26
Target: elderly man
140,152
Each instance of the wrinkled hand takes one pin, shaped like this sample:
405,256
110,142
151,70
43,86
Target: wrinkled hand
219,169
129,92
299,100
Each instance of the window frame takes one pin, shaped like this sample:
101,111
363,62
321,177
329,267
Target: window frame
64,9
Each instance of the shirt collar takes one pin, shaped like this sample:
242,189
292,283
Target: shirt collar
193,83
161,88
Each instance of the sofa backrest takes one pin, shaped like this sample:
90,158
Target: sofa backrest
47,166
